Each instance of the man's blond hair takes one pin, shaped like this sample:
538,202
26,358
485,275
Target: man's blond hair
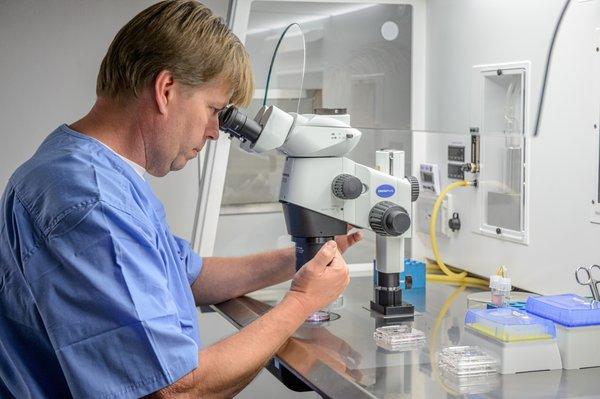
183,37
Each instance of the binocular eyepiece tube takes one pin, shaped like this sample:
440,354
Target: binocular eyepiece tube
235,123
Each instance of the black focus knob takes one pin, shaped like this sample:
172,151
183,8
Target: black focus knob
414,188
389,219
346,186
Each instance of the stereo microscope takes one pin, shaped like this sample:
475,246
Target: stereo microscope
322,191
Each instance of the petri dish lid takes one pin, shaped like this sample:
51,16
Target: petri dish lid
484,298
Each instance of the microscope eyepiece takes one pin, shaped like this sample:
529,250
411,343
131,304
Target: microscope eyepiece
235,123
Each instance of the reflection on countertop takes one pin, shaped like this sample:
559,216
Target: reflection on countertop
340,358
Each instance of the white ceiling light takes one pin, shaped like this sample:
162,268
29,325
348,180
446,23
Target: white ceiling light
389,30
287,19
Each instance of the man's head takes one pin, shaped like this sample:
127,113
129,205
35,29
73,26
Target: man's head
179,65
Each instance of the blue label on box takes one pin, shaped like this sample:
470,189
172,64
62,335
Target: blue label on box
385,191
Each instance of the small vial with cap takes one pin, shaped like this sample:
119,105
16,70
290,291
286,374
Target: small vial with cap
501,287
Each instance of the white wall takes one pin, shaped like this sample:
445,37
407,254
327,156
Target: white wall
50,55
564,160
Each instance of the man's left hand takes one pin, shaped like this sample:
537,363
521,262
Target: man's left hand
346,241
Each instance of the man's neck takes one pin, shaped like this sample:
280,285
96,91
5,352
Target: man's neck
116,127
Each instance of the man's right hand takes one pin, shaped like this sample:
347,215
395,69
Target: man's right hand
321,280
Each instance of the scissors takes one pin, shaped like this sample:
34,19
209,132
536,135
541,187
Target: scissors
589,280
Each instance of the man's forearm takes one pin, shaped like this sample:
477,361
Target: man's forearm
226,278
226,367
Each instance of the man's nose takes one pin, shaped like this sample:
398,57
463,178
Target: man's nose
212,130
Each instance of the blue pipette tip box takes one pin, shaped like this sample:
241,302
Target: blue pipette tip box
509,324
568,310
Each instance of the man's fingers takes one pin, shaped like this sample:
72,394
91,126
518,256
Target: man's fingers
356,237
325,256
353,238
338,262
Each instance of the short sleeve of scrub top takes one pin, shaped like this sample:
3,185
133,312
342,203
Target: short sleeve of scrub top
107,307
191,260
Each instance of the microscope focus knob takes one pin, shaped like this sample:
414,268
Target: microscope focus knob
389,219
346,186
414,188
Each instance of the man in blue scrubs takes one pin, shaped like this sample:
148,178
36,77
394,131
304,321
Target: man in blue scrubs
97,297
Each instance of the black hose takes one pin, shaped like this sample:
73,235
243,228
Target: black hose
536,131
273,60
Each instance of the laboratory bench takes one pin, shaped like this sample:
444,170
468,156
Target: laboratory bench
340,359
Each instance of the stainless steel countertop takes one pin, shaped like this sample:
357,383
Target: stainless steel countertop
340,359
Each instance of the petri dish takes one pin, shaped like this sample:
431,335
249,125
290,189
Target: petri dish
399,338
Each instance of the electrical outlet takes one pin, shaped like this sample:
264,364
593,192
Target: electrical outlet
424,211
446,214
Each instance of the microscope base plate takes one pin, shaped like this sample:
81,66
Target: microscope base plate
405,309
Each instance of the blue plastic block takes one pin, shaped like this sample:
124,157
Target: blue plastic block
568,309
416,270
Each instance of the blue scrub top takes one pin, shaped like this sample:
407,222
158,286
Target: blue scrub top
95,297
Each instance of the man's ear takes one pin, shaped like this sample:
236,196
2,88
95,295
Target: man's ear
163,90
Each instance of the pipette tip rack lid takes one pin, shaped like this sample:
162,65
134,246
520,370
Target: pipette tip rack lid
568,310
509,325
